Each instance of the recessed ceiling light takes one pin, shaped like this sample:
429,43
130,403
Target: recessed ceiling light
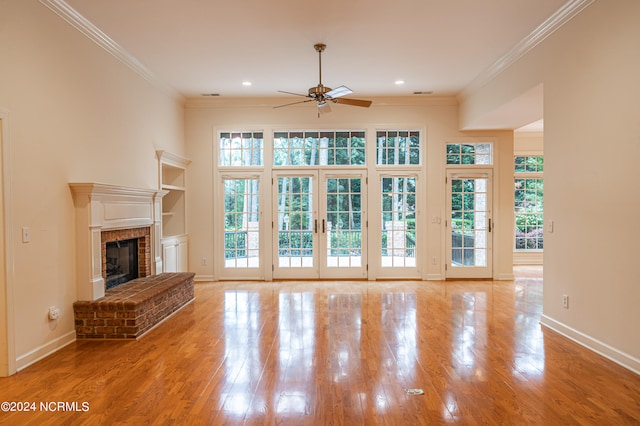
399,82
246,83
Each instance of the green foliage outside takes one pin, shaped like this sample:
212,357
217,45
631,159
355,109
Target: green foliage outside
344,198
529,212
319,148
399,209
462,206
531,164
469,154
295,243
398,147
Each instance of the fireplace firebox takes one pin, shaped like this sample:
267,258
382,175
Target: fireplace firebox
126,255
122,262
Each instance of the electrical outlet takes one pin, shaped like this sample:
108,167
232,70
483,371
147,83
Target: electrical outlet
434,260
565,301
54,313
203,262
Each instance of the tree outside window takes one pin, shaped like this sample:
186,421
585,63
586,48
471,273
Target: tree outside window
529,202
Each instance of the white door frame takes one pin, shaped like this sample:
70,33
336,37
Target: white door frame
320,268
7,321
243,273
486,227
377,268
296,272
326,271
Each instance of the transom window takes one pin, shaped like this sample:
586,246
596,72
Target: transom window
530,164
529,202
470,153
397,147
319,148
241,149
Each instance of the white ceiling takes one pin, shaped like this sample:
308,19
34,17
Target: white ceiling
212,46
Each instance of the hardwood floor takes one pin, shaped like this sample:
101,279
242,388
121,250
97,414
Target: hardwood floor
336,353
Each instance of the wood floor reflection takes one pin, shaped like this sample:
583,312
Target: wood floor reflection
337,353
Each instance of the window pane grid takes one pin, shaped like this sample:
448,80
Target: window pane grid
312,148
469,207
344,222
241,149
397,147
528,164
241,224
398,234
295,227
529,213
470,153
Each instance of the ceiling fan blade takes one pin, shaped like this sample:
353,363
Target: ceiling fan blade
338,92
291,93
354,102
293,103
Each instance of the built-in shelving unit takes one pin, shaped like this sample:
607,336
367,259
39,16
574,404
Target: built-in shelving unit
173,180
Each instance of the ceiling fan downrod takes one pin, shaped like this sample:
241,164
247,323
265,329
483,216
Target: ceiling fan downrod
319,48
319,91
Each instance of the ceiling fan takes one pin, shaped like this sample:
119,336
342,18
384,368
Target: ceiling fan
323,95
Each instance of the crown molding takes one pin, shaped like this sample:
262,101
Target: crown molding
563,15
95,34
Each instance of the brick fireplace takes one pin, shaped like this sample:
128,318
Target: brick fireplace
110,213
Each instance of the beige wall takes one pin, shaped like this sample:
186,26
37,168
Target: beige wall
437,117
75,113
589,69
528,143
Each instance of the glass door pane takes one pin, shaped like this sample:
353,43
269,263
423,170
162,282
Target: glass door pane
297,225
469,224
342,221
241,223
398,233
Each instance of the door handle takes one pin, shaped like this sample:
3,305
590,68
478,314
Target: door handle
323,226
490,225
315,226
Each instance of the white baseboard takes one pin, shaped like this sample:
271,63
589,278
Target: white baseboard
505,277
203,278
435,277
527,258
25,360
625,360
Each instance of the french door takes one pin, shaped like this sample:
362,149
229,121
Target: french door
469,223
318,221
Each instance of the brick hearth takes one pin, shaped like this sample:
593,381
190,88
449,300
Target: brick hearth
133,308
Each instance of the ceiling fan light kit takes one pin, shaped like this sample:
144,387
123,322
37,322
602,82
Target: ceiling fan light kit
323,95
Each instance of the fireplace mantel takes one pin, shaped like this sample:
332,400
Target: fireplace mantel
101,207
